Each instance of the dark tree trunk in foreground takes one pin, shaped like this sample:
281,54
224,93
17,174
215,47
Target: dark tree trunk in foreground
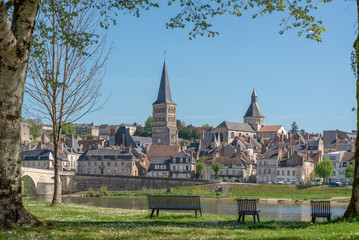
353,208
14,52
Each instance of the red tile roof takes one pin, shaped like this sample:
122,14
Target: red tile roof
270,128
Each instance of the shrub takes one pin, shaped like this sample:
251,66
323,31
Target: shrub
90,193
103,191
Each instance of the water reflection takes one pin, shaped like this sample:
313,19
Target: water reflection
281,211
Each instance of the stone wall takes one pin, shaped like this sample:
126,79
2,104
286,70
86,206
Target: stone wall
118,183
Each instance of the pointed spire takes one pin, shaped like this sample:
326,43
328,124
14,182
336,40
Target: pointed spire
253,109
164,92
254,96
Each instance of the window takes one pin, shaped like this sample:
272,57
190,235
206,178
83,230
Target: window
260,171
163,166
293,173
109,164
95,171
181,160
265,171
173,167
269,171
264,163
282,172
233,172
102,164
114,170
88,170
232,135
108,171
88,163
278,173
115,164
95,164
123,163
187,159
187,167
174,160
156,167
288,173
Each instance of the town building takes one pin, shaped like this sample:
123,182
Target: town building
341,160
182,165
164,124
272,132
229,130
107,161
87,129
38,158
336,140
25,133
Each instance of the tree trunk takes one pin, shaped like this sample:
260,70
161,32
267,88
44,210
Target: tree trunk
353,208
57,189
14,52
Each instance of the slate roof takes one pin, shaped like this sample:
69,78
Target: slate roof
236,126
253,109
164,92
106,153
142,141
269,128
128,138
35,154
295,160
181,154
226,151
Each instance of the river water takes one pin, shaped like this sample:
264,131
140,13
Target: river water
280,211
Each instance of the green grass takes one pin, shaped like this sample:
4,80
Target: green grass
295,192
87,222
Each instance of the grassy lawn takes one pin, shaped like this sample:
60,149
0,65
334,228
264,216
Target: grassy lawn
295,192
87,222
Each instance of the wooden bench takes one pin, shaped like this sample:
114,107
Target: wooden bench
320,209
247,207
174,203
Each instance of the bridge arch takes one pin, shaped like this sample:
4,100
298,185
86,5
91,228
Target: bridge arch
28,187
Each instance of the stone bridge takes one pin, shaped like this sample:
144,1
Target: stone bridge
42,180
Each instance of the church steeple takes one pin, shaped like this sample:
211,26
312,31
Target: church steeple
164,124
254,96
164,92
254,115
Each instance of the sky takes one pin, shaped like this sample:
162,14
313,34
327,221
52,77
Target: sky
212,79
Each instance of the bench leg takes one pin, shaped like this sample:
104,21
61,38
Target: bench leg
239,218
153,210
254,218
158,212
196,213
243,216
258,217
200,211
329,218
313,220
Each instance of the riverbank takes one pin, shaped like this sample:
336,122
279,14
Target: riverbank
263,192
86,222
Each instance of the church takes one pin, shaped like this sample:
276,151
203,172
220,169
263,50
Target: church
164,124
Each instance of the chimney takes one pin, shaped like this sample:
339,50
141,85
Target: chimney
39,145
112,131
281,138
222,150
123,139
307,136
289,137
291,151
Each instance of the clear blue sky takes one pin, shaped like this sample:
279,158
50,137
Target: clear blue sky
212,79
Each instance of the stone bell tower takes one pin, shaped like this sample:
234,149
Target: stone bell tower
164,124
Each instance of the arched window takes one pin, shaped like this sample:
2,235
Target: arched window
232,135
